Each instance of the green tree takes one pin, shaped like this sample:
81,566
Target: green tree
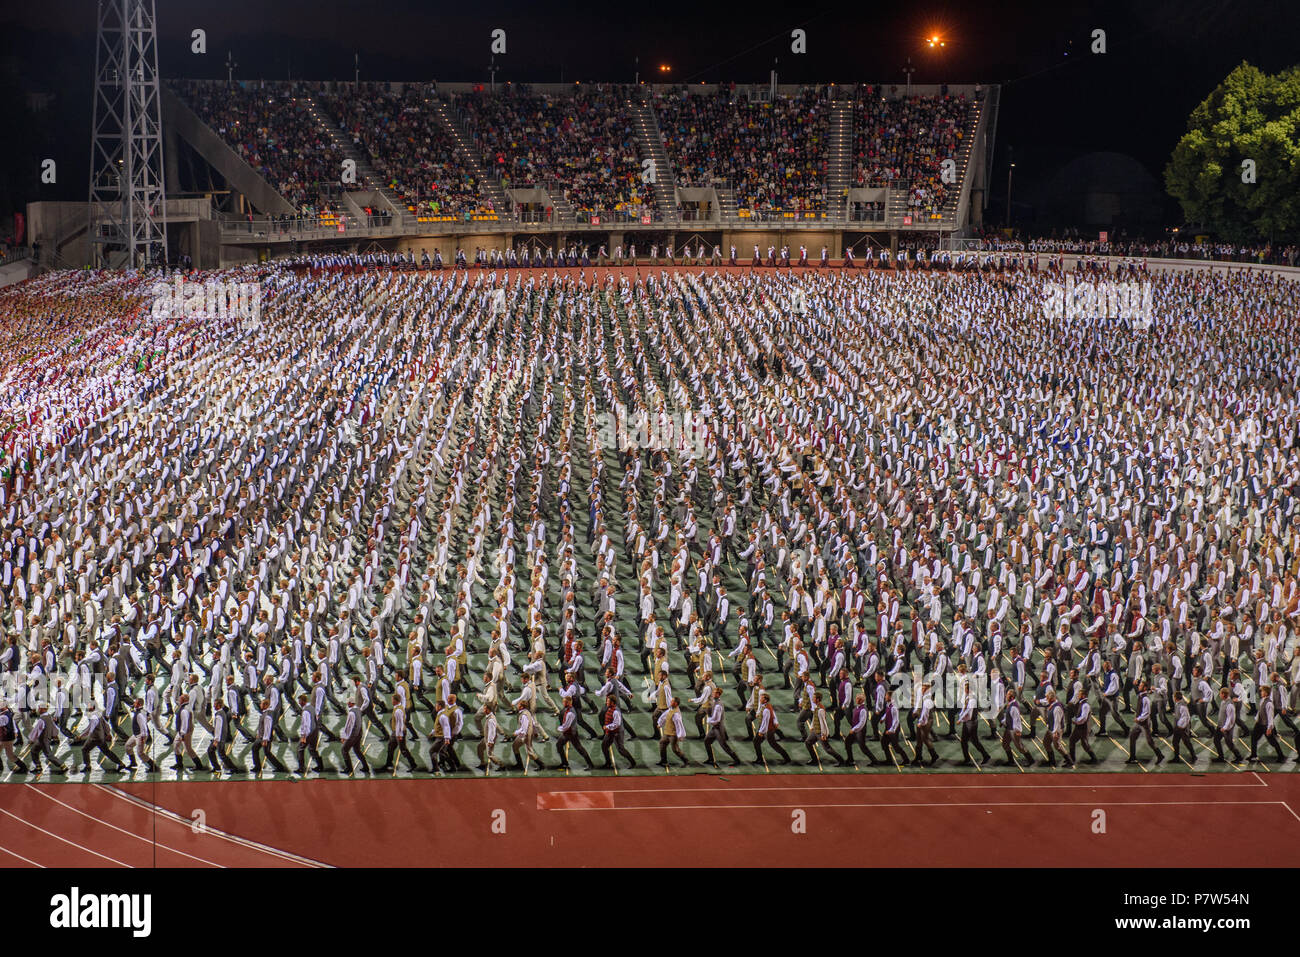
1251,115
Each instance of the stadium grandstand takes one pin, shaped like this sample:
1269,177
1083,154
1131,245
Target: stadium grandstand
412,167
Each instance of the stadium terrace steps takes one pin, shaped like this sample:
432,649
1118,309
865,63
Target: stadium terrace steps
727,203
652,145
489,187
955,200
839,161
366,174
896,207
564,211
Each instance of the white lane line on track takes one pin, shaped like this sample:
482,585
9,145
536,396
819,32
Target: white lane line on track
209,829
865,804
63,839
919,787
138,837
20,857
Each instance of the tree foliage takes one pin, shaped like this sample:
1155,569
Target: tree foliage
1251,115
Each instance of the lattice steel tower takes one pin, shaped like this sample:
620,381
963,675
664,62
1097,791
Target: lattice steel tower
127,197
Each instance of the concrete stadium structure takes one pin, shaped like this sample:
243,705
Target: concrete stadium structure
234,224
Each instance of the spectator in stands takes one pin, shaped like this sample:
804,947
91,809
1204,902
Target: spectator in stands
772,153
580,145
271,127
411,149
906,139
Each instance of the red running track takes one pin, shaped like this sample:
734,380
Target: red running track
91,825
933,820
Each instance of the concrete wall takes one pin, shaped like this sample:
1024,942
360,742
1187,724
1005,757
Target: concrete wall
867,194
449,244
60,229
745,240
16,272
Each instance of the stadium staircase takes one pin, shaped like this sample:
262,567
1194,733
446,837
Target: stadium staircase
652,145
956,200
839,168
896,208
52,253
727,204
564,211
367,176
490,187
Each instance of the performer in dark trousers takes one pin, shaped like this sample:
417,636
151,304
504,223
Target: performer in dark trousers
351,738
717,730
222,735
819,733
1110,687
397,741
97,738
568,736
970,729
1226,730
1079,727
265,736
1182,725
45,737
1264,725
768,729
889,742
366,704
613,738
1012,729
858,731
308,738
9,735
925,728
1055,721
1142,725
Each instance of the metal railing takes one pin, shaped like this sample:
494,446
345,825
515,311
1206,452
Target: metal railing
306,229
693,214
620,217
13,254
344,226
779,216
873,213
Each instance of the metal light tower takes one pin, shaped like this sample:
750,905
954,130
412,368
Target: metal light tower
127,195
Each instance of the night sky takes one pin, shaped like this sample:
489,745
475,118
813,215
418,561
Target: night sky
1059,100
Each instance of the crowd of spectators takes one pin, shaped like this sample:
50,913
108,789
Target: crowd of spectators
772,152
411,150
1166,247
584,144
907,138
270,126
